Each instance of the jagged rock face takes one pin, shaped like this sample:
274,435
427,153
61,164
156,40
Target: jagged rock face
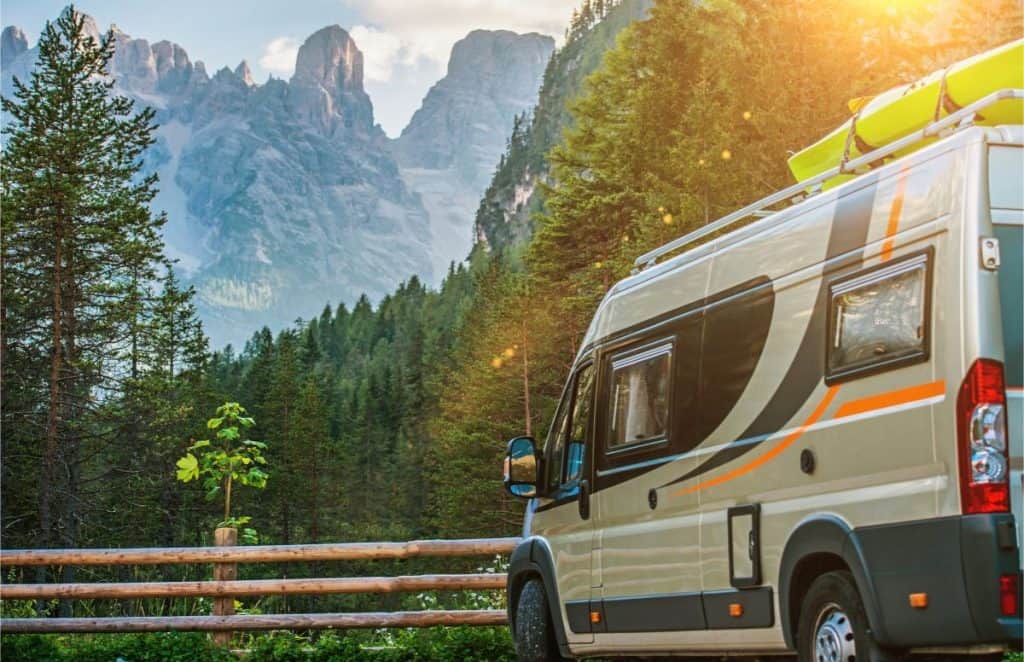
450,148
280,197
244,73
284,196
13,43
492,77
327,86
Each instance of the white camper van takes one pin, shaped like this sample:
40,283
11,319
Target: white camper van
804,434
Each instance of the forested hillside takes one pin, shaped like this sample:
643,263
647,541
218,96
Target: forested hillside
504,218
389,419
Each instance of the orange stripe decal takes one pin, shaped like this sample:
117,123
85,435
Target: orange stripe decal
773,452
891,399
894,214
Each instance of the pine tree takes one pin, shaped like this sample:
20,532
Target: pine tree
80,243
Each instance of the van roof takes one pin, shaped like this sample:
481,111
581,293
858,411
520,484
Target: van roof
715,245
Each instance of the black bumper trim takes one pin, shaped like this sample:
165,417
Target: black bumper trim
957,561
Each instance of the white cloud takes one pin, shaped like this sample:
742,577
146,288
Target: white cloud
279,55
381,51
429,29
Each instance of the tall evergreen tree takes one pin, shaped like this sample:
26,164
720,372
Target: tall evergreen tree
79,244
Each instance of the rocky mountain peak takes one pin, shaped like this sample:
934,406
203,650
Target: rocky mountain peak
245,73
493,75
330,59
89,23
482,53
328,82
13,43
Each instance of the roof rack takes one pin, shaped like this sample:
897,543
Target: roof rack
812,186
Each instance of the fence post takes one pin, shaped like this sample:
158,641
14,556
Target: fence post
224,537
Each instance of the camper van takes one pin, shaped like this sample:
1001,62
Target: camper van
799,428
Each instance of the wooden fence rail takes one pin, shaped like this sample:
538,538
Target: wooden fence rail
352,551
224,588
253,587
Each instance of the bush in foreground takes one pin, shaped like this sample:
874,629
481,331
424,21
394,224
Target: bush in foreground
471,644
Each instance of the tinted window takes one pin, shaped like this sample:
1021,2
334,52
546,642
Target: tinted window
580,427
554,449
1011,299
640,396
565,461
1005,173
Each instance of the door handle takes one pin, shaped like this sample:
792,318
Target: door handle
584,497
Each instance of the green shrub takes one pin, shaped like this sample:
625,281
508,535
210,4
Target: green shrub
287,647
158,647
470,644
15,647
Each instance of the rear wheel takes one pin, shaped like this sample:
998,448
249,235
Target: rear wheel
833,625
534,632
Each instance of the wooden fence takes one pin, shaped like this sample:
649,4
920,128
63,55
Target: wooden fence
224,586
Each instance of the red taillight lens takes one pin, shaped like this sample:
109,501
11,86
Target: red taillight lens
981,436
1008,595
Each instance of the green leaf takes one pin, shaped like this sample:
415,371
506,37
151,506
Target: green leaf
188,468
257,444
214,423
228,433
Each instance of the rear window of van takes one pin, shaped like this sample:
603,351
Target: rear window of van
1006,196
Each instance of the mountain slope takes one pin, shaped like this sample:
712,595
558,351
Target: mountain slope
448,151
503,216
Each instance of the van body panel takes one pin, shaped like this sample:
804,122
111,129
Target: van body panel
772,427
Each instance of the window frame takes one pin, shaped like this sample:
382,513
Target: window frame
624,358
879,273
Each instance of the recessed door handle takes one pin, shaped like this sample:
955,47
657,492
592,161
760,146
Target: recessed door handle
584,502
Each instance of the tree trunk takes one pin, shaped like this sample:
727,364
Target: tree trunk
54,404
526,382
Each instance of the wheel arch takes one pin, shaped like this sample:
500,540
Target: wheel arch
532,559
816,546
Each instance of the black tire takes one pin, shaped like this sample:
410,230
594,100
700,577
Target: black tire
833,626
534,633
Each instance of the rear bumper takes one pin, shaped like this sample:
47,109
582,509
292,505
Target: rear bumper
957,561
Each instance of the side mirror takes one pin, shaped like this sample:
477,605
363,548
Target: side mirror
521,467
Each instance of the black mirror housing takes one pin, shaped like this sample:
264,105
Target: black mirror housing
522,468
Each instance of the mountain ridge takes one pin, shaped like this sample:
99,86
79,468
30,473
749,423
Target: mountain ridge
285,195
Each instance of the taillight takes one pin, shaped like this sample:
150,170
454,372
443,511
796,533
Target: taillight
1008,595
981,434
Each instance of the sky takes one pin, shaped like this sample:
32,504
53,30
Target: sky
405,43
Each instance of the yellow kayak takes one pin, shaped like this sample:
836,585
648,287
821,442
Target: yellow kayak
902,110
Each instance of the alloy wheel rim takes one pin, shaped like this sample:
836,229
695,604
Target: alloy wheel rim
834,640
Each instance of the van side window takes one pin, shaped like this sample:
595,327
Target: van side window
639,386
580,428
879,319
554,449
572,423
